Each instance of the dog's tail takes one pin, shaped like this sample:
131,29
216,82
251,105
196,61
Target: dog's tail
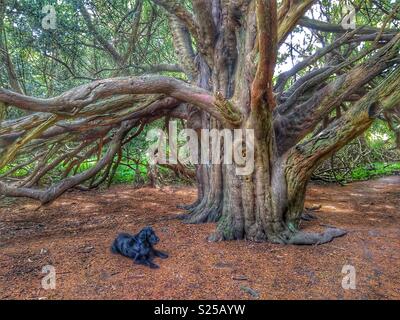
114,248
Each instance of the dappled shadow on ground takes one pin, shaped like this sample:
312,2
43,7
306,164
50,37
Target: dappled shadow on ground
74,235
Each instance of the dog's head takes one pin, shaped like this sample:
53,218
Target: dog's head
148,234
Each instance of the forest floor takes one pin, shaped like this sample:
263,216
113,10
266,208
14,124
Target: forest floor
74,235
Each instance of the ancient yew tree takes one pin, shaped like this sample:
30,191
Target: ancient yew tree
225,78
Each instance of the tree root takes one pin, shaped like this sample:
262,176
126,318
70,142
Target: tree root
199,213
314,238
295,238
215,237
188,206
183,216
204,213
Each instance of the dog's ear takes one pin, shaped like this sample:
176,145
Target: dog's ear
150,230
143,235
147,229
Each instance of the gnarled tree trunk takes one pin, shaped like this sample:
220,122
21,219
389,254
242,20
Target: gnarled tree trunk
255,206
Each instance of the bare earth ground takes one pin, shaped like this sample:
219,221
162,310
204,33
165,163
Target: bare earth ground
74,235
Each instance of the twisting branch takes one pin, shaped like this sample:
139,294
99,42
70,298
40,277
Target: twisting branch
9,154
340,132
336,28
303,117
47,195
75,99
283,77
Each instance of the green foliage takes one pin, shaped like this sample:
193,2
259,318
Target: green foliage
376,169
125,175
372,155
18,173
49,62
380,137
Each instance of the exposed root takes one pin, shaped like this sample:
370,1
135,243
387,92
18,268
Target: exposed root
216,236
314,238
204,214
187,206
288,237
182,216
183,206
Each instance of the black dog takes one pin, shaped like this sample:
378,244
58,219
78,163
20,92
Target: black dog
139,247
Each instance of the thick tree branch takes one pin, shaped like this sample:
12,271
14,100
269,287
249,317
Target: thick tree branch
74,100
336,28
340,132
262,88
282,78
303,118
48,195
92,126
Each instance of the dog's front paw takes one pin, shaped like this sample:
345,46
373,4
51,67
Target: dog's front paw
160,254
163,256
154,266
